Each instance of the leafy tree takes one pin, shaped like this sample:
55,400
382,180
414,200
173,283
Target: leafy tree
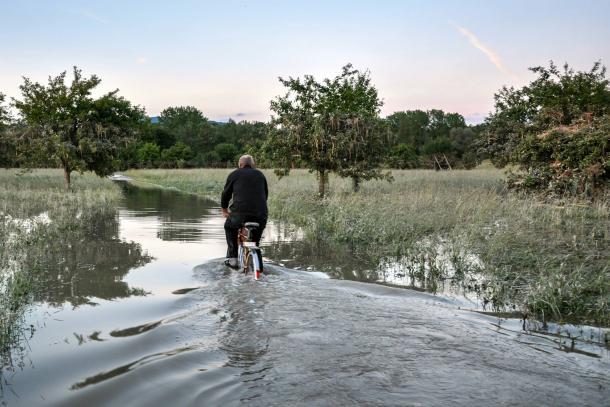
461,140
243,135
440,123
211,158
464,146
128,156
403,156
159,135
363,146
555,129
4,114
440,145
226,152
149,155
188,125
505,128
329,126
69,127
555,98
428,133
409,127
6,140
176,156
559,97
567,160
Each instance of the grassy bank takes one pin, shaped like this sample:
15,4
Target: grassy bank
550,261
37,216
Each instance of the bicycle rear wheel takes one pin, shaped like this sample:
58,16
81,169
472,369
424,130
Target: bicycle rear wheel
241,258
254,263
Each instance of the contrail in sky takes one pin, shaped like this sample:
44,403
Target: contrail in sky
93,16
491,54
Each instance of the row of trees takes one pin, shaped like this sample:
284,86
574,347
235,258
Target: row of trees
556,130
337,121
184,137
417,136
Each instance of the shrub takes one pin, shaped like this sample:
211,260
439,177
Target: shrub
567,160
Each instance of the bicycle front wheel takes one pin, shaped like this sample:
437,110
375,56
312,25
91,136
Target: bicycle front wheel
254,264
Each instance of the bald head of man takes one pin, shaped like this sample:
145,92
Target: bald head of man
246,160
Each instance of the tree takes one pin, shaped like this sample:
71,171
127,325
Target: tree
555,98
159,135
428,133
440,123
176,156
363,147
330,126
403,156
566,160
559,97
462,144
6,141
188,125
555,129
226,152
69,127
149,155
242,135
409,127
4,114
440,145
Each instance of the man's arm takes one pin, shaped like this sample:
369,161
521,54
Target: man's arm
266,189
227,194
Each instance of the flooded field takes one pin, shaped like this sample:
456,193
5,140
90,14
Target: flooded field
141,312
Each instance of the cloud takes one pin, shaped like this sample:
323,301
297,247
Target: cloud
141,60
240,114
493,57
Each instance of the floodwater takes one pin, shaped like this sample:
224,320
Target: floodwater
145,314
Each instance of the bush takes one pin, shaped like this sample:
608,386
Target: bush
567,160
226,152
403,156
176,156
149,155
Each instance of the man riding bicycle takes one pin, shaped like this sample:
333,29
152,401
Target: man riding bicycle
247,188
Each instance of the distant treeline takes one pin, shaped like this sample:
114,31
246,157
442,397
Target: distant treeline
182,137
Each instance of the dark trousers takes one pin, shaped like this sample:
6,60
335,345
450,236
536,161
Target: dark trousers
232,225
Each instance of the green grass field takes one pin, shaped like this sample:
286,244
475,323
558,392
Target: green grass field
550,261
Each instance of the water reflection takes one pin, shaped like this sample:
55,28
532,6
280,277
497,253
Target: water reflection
179,215
435,268
80,268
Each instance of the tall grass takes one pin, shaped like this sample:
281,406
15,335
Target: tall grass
551,261
35,214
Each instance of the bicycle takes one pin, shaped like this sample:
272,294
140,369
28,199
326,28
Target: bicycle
249,254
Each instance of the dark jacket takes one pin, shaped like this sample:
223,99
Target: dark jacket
248,188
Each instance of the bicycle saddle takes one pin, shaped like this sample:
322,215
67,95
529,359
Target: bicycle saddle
251,225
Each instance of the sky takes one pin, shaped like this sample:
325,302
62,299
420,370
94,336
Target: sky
225,57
